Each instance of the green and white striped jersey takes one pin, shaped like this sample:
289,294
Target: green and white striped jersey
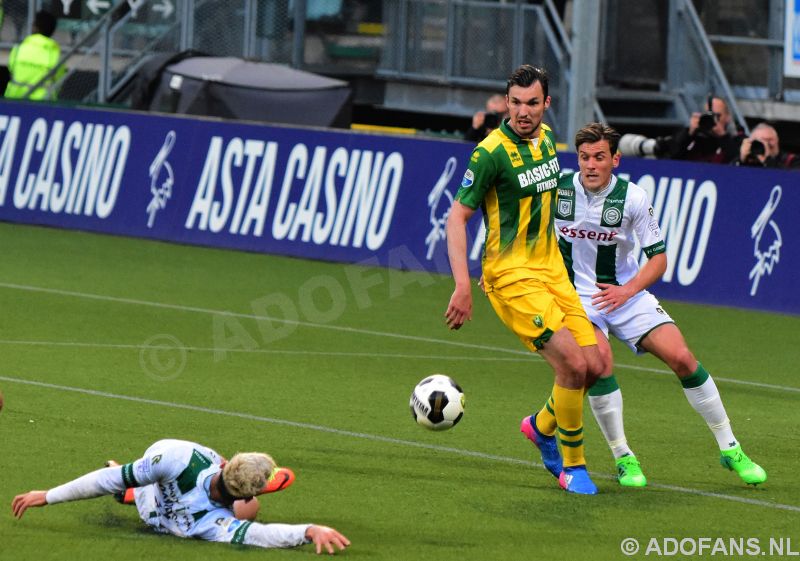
179,472
598,233
175,498
173,495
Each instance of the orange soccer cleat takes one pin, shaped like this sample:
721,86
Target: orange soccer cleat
279,480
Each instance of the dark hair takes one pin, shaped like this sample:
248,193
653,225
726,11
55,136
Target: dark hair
595,132
526,75
45,23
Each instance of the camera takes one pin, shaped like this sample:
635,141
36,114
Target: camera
643,147
757,149
707,121
491,120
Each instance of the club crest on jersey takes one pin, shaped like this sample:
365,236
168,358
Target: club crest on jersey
564,207
538,321
612,216
469,178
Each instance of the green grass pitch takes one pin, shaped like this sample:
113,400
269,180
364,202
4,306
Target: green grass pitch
109,344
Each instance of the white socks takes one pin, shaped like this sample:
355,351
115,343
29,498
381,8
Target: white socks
607,411
706,400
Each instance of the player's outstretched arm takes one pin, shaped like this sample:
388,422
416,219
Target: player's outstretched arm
323,536
98,483
23,502
277,535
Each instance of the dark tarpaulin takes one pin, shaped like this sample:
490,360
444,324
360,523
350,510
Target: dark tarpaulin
238,89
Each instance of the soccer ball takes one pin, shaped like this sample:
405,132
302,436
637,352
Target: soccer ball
437,402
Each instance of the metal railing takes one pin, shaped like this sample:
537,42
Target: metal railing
107,51
755,61
693,71
102,51
476,44
466,44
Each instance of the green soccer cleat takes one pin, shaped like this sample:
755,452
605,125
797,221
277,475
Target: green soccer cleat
736,460
629,472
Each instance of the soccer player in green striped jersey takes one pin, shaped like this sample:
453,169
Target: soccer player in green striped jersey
600,217
188,490
512,176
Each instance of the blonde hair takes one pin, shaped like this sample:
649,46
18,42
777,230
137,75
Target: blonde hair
247,473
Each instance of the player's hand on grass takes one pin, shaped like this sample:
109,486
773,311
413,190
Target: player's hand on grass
459,309
322,536
23,502
611,297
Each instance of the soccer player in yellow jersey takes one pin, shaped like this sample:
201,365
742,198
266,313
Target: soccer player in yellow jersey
512,176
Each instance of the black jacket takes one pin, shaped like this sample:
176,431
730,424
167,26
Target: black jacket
702,147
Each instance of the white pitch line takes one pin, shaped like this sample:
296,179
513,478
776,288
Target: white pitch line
195,309
142,346
528,357
379,438
212,311
716,378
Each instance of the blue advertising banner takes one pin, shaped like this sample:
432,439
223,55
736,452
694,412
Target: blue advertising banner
360,198
728,232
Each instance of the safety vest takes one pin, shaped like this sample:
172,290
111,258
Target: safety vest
28,63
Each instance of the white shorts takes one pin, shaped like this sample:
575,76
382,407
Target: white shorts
217,525
145,498
630,323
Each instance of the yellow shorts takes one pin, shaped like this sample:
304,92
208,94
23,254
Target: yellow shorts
535,310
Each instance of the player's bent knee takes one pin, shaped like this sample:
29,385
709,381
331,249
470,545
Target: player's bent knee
590,380
682,362
576,368
682,369
599,365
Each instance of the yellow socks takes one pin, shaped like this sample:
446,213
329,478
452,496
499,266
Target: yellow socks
568,408
546,418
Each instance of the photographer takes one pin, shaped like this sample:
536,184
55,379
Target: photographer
762,149
708,137
484,122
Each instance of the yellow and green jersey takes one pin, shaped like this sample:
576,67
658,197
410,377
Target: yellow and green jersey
513,180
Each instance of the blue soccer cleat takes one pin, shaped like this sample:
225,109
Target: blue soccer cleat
547,445
575,479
